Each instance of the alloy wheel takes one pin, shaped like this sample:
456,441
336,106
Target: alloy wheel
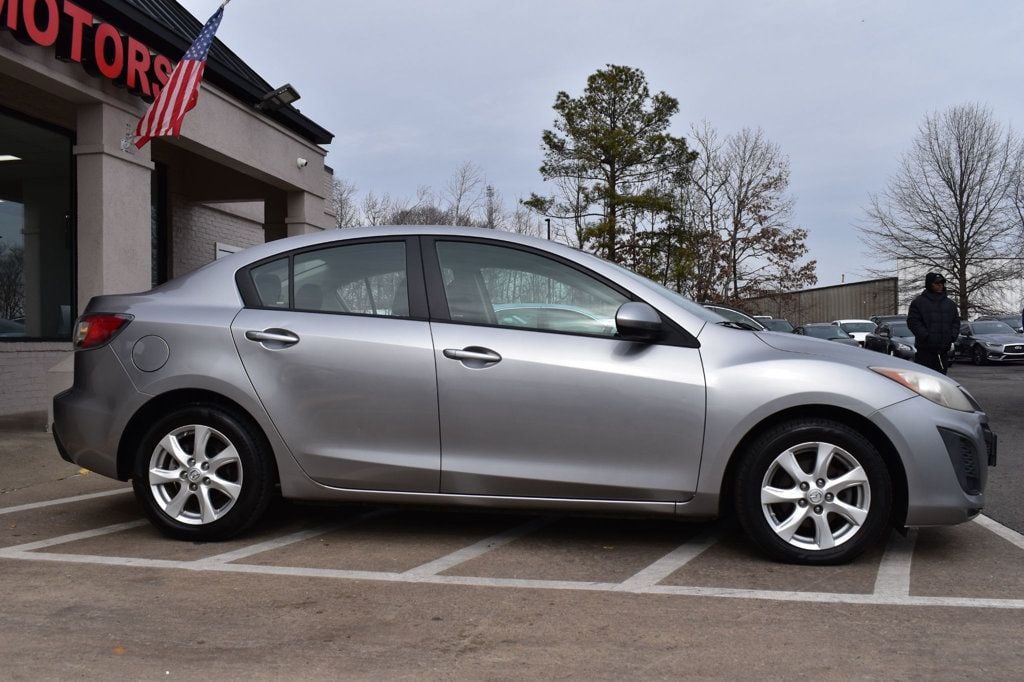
195,474
815,496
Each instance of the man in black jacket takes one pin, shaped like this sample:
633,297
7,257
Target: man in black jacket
935,322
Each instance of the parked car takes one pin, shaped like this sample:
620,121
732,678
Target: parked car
777,324
370,365
985,341
828,332
893,338
882,319
11,328
736,316
1013,321
858,329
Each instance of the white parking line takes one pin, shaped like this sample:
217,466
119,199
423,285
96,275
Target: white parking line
285,540
478,549
71,537
894,570
384,576
670,563
62,500
1008,534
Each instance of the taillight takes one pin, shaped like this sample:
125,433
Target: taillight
97,328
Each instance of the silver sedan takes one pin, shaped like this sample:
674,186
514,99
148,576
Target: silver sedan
377,366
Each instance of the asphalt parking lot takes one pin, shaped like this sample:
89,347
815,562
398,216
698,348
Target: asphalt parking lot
92,590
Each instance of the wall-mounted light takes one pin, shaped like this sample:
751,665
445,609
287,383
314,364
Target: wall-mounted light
9,157
277,99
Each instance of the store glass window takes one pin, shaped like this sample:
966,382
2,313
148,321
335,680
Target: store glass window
36,231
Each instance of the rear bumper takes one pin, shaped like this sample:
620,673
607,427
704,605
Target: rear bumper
88,419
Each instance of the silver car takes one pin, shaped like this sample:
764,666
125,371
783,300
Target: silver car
372,365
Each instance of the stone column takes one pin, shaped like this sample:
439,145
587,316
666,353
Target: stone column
305,214
114,210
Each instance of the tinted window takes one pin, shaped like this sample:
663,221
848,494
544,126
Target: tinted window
992,328
487,284
858,327
363,279
271,280
900,330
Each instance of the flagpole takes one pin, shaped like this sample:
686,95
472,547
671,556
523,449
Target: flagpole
224,4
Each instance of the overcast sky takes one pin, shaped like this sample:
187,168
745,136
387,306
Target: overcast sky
413,89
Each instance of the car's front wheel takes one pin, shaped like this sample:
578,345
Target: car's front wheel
200,474
979,356
813,491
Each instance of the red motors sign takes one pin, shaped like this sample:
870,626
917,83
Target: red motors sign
78,36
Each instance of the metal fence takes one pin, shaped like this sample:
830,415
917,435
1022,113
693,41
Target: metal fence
859,300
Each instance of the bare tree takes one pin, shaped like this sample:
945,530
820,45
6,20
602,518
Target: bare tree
464,192
523,221
494,214
343,203
377,209
738,217
12,281
954,205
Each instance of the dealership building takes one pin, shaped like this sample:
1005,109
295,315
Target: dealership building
83,212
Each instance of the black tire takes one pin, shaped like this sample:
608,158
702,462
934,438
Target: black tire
978,356
761,457
254,472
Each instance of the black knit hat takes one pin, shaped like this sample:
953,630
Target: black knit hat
933,277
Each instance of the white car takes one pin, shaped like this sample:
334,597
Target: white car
858,329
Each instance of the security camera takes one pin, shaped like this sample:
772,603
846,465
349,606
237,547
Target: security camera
301,162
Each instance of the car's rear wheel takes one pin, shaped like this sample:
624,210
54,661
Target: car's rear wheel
813,492
200,474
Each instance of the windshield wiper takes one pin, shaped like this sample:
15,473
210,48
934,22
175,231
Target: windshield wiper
738,325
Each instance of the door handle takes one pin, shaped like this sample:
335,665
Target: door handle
272,335
472,353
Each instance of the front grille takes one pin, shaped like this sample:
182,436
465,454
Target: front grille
964,458
1015,349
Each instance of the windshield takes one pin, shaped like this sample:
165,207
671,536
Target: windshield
993,328
900,330
826,332
854,327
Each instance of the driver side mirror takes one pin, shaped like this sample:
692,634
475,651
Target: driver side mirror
885,332
636,321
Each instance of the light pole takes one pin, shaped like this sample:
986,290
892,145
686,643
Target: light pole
548,221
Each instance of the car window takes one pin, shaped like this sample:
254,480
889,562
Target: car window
362,279
271,280
857,327
497,285
992,327
900,330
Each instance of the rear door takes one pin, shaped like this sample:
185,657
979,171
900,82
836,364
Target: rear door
337,345
549,403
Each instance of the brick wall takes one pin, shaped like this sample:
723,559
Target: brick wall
23,375
196,228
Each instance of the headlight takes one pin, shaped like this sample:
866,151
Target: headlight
903,347
938,390
993,345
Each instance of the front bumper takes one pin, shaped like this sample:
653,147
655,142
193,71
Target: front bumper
942,486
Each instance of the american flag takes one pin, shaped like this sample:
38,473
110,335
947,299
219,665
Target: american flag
181,92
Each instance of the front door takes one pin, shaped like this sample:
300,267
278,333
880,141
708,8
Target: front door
538,398
342,366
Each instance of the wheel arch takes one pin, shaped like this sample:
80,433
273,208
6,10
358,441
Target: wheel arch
890,454
144,416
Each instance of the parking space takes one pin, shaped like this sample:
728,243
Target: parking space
359,591
975,565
